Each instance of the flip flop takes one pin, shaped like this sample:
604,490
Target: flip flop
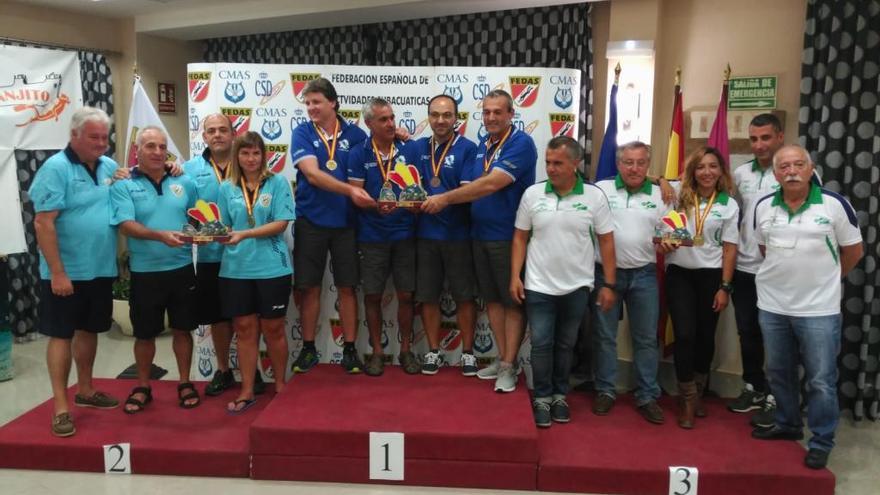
248,403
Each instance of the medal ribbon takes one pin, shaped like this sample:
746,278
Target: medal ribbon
700,217
331,152
221,176
249,200
487,160
436,164
384,167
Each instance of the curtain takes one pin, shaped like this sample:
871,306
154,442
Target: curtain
838,124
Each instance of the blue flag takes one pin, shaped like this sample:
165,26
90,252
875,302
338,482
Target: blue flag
608,154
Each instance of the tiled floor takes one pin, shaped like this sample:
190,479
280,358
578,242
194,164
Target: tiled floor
854,461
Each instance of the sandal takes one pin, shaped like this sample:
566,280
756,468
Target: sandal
246,404
148,397
193,394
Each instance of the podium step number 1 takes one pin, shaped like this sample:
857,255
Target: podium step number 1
117,458
386,456
683,480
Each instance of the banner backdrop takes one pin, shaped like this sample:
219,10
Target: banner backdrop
39,90
12,241
268,99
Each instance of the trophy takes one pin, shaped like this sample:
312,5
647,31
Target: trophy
211,229
412,194
673,230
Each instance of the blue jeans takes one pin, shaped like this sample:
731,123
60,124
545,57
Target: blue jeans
554,321
638,288
816,340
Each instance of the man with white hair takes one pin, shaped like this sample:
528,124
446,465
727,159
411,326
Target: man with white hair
799,309
71,195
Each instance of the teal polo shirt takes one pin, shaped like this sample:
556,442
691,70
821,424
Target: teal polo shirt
86,240
200,170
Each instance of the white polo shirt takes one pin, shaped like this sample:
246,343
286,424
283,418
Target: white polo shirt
559,257
721,226
635,216
800,275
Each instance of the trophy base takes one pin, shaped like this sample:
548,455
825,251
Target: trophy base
388,206
204,239
674,241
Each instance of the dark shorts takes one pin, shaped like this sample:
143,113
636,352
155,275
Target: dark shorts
439,260
154,293
381,259
492,267
310,246
208,294
89,308
267,297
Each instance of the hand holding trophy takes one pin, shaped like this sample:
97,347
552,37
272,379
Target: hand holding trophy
211,229
412,194
672,230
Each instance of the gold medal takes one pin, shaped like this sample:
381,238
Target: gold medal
384,167
698,240
435,181
700,218
331,151
331,164
489,158
249,201
251,220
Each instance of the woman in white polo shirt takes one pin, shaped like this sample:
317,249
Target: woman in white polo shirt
698,278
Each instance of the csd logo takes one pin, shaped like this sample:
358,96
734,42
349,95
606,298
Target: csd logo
454,92
234,91
408,122
480,90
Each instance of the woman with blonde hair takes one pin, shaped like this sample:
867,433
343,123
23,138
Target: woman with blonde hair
255,272
699,277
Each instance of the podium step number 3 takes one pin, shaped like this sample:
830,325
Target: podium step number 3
386,456
683,480
117,458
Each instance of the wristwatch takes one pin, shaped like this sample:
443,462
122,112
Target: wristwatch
609,286
726,287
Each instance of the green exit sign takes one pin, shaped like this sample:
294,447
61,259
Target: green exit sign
752,93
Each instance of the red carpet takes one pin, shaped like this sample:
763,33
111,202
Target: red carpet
165,439
457,431
622,453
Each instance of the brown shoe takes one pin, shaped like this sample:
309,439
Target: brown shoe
701,380
62,425
687,401
652,412
98,400
375,365
603,404
409,363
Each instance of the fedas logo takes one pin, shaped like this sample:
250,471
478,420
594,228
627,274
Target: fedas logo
562,124
353,117
276,157
240,118
524,90
298,81
199,83
461,120
23,96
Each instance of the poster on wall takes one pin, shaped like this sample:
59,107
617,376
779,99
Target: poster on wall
39,91
268,99
12,241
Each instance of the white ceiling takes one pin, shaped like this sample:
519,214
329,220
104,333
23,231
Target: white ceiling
200,19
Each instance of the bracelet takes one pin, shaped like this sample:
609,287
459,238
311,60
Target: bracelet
726,287
610,286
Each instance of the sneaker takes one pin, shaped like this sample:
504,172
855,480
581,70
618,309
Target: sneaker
259,384
220,383
541,411
468,364
776,433
506,381
603,404
433,360
652,412
62,425
375,365
351,363
306,360
816,458
766,417
749,400
409,363
559,411
489,372
98,400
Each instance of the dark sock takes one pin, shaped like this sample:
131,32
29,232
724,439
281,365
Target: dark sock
348,347
309,345
467,351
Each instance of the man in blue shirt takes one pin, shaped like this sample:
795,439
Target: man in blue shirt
386,240
443,240
504,167
71,195
150,208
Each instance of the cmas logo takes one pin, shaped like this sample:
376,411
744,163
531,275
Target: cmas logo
461,121
198,83
271,129
524,90
353,117
563,98
454,92
234,91
562,124
240,118
206,368
276,157
298,81
483,338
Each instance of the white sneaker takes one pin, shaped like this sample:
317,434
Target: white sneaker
506,381
489,372
469,364
432,363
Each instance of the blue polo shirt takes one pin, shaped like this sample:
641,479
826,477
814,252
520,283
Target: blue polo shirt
86,240
492,216
199,169
260,257
324,208
453,223
362,166
159,206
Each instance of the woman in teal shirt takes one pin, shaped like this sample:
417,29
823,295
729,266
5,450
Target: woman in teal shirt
255,272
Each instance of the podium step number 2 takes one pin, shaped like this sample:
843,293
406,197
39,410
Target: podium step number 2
386,456
117,458
683,480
